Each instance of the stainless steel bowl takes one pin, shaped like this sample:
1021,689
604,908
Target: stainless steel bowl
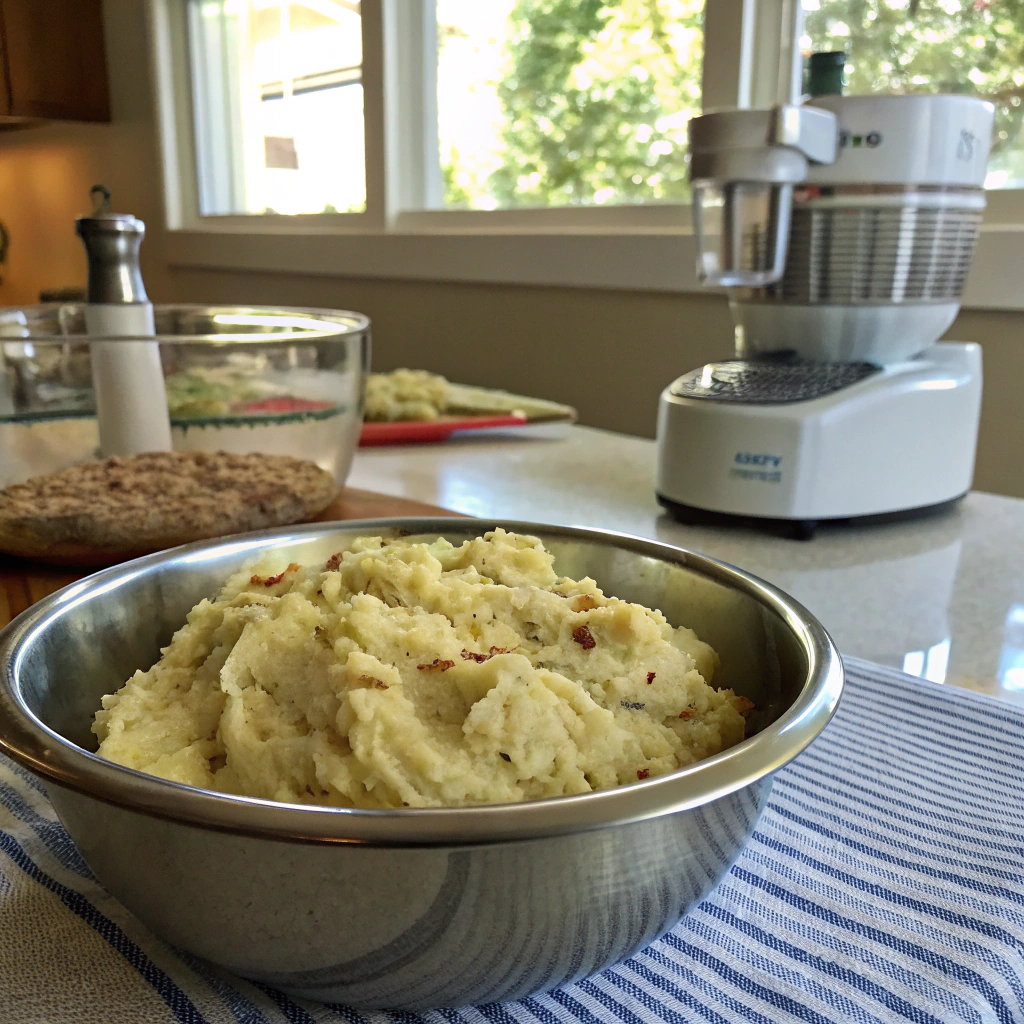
410,908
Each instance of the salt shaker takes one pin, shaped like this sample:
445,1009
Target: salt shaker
131,401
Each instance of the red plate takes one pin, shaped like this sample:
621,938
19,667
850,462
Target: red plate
432,431
285,404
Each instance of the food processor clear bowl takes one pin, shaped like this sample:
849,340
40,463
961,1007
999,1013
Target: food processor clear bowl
742,231
238,379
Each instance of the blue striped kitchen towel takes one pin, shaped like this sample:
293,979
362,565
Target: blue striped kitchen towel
885,882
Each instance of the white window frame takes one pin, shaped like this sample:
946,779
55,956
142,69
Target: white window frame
403,234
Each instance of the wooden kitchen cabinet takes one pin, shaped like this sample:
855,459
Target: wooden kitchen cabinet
53,60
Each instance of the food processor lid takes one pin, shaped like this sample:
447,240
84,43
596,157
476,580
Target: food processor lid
940,140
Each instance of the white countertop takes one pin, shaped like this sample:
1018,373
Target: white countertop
941,596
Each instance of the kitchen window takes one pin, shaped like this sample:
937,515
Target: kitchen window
565,103
516,140
277,106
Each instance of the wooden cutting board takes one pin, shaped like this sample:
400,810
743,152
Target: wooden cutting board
23,582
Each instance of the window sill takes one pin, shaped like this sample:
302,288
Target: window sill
650,259
657,259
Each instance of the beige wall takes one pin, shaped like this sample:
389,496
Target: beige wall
608,353
46,173
1000,465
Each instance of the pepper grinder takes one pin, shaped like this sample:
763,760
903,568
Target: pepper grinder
131,401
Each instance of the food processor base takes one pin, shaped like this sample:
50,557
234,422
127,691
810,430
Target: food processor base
795,529
809,443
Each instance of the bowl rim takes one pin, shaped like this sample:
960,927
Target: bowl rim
345,324
56,760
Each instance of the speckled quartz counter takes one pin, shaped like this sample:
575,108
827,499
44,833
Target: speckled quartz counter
941,597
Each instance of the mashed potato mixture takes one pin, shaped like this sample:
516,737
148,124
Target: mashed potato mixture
405,395
406,674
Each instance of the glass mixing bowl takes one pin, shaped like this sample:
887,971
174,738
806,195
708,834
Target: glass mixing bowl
239,379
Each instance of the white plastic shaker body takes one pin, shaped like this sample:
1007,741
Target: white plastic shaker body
131,401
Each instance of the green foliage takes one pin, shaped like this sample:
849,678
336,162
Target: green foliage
949,46
455,196
596,96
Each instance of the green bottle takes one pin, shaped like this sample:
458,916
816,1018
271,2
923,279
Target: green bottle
825,73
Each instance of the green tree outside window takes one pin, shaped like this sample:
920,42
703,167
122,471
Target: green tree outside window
595,95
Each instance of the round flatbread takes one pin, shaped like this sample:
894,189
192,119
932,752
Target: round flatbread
106,512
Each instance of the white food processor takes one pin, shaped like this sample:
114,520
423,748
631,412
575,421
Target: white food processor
843,229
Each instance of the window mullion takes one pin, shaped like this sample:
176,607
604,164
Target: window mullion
433,183
412,164
168,31
747,60
375,143
771,62
729,45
